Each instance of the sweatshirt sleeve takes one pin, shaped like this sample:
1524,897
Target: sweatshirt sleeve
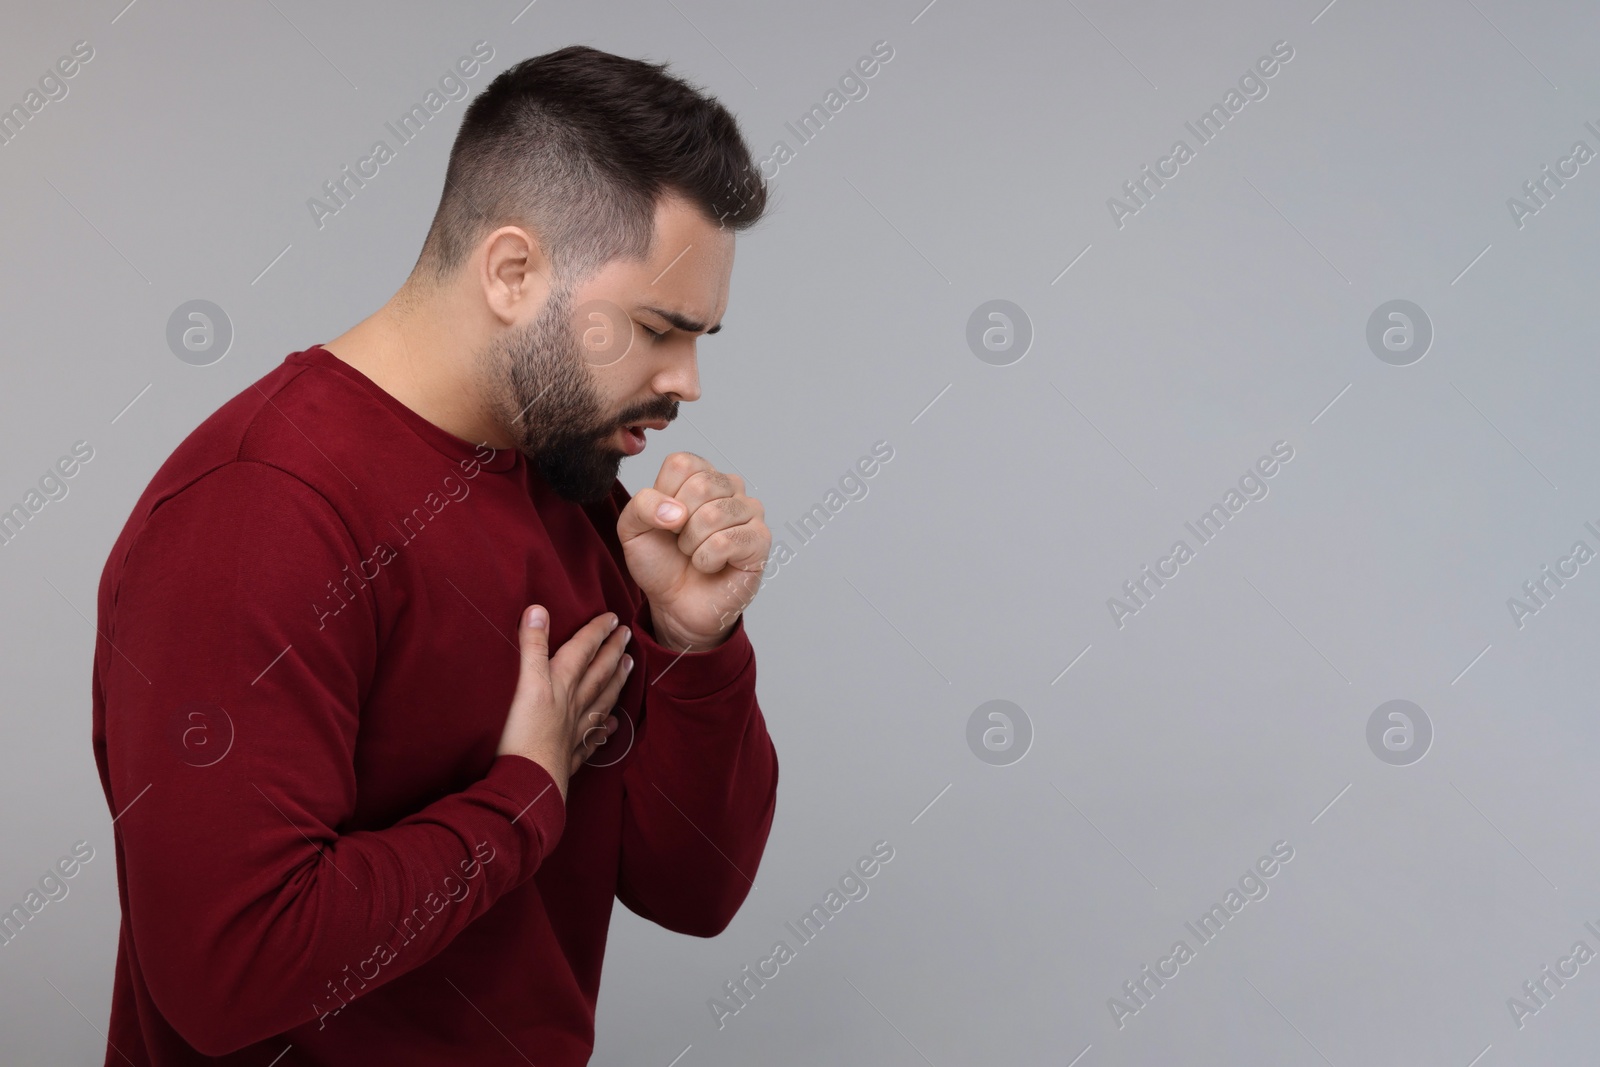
231,719
701,792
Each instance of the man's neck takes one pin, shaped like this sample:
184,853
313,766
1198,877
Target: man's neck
408,357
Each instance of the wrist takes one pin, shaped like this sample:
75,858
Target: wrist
547,761
673,639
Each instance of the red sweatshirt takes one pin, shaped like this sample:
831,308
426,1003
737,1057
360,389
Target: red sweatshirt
307,649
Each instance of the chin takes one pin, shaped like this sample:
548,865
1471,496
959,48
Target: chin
591,483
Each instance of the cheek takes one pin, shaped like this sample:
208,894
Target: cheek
611,391
629,382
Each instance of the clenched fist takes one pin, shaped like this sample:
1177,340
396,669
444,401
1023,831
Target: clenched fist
696,546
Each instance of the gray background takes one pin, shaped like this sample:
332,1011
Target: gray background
1225,316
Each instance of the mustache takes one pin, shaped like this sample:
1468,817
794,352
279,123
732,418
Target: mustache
667,410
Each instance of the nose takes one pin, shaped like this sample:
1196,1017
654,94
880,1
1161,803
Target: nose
681,378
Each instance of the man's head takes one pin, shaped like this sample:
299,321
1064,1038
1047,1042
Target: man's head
584,239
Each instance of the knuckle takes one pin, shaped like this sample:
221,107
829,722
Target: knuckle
716,546
683,462
717,483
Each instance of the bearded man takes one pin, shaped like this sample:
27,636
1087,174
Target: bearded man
397,688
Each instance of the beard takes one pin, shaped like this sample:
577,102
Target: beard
543,397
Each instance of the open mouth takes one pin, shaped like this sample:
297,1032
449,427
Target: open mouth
632,434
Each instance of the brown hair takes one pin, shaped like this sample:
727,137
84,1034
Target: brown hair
578,145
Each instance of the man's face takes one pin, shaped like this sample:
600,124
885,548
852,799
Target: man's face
565,383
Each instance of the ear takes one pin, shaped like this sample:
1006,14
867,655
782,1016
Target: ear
513,272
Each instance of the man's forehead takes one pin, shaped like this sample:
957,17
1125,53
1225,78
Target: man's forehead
686,275
684,278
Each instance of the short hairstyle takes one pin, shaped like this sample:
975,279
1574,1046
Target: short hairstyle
578,145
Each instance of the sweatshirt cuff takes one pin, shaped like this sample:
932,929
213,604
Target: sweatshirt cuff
690,675
537,812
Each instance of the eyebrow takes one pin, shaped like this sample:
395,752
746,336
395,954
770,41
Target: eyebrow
682,322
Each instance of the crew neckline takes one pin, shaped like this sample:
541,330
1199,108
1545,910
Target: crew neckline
457,448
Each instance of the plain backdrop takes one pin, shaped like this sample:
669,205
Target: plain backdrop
1147,760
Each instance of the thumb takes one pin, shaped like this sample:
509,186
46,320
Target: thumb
526,729
650,509
533,641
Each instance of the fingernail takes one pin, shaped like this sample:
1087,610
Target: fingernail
611,623
627,635
536,618
627,664
668,511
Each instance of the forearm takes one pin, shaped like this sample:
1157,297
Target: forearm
253,917
702,789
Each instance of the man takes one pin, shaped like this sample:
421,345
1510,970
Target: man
363,815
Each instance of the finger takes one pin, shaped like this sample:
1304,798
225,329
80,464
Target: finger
573,658
596,738
716,551
580,751
606,699
604,702
602,668
597,734
645,513
719,513
594,729
703,486
677,469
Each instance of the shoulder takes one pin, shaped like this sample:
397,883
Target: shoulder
318,430
243,511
